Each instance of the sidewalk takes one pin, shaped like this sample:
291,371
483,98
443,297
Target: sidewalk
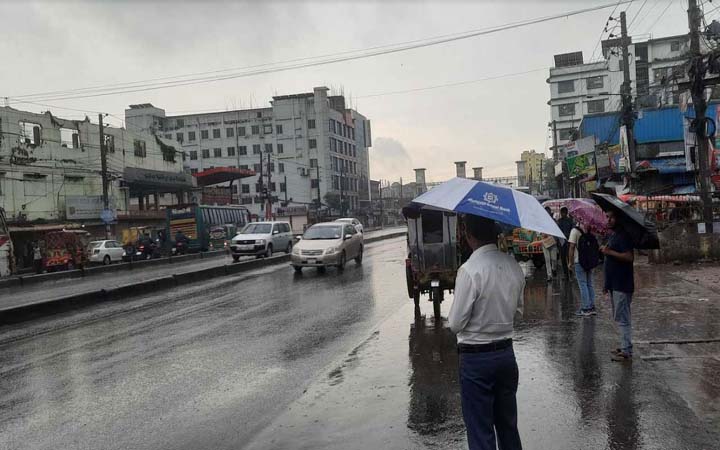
398,389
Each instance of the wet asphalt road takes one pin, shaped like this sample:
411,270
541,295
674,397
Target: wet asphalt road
269,360
202,368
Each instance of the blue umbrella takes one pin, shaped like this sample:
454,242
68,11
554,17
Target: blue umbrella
492,201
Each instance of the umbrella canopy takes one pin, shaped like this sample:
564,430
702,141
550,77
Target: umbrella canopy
492,201
588,213
641,230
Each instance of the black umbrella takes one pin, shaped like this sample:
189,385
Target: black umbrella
642,231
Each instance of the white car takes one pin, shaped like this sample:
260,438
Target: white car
354,222
105,252
262,239
327,244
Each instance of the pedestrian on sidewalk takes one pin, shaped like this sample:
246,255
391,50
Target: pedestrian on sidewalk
37,258
583,257
619,283
566,225
550,252
488,293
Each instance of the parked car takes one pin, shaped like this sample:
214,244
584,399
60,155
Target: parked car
356,223
105,252
328,244
262,239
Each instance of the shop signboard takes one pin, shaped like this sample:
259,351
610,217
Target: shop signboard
581,165
86,207
580,146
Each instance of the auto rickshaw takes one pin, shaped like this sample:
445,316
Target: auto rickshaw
433,254
65,250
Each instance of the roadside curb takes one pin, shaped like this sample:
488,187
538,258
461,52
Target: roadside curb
23,313
27,280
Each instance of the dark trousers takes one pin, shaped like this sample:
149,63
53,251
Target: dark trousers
37,265
564,257
488,384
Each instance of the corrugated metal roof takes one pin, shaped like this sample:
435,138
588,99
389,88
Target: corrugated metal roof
652,125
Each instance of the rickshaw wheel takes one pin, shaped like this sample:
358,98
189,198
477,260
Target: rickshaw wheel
538,261
436,295
416,298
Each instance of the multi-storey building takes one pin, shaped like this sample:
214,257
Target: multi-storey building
309,144
578,88
51,175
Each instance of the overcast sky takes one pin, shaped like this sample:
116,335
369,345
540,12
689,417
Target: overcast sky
64,45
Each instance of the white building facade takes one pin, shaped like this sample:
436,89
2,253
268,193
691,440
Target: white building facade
50,168
312,144
578,88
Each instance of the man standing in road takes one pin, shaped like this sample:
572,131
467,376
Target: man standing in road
488,293
566,225
550,252
619,283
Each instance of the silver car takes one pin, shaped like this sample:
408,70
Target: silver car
328,244
262,239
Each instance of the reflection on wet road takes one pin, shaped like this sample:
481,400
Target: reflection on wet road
271,360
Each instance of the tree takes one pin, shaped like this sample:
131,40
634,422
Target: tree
332,200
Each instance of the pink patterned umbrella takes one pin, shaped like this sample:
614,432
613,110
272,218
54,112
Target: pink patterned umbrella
588,213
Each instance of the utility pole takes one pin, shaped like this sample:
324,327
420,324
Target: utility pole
268,211
342,205
286,189
697,71
319,203
382,213
556,158
104,171
261,183
628,115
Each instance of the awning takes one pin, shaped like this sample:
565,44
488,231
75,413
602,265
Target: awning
43,227
156,180
221,175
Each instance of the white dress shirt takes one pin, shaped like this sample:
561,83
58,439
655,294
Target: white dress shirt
488,291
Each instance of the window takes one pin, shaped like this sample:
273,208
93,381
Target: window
193,155
206,153
280,148
229,132
313,162
216,133
255,129
191,136
332,126
179,123
245,188
69,138
258,187
567,110
256,168
566,86
179,137
596,106
272,186
203,134
109,143
267,129
675,46
281,167
566,134
268,148
259,115
246,201
217,152
241,131
234,189
242,150
139,148
231,151
244,166
352,133
312,143
314,183
283,187
271,167
333,144
31,133
311,123
335,182
193,171
278,129
256,149
168,136
594,82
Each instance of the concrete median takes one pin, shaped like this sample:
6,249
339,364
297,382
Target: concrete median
33,310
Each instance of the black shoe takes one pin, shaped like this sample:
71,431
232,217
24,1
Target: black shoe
621,357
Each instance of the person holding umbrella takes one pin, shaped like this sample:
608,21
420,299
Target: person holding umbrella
619,283
488,293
